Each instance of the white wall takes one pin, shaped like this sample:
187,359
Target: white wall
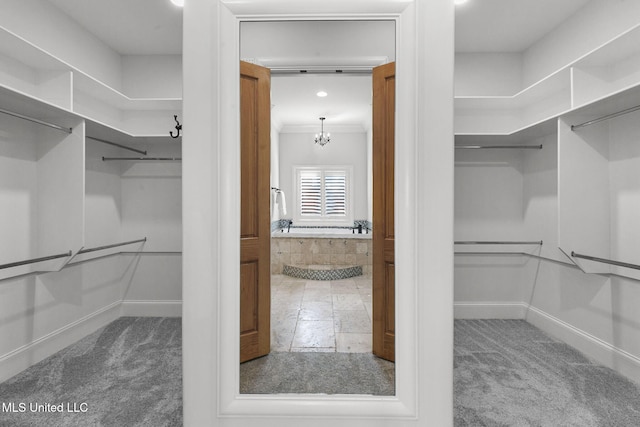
152,76
488,195
478,74
298,149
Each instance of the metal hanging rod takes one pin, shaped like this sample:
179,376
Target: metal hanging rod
135,159
488,242
606,261
607,117
99,248
481,147
152,253
34,260
118,145
38,121
276,189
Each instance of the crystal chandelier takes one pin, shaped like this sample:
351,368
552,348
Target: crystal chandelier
321,138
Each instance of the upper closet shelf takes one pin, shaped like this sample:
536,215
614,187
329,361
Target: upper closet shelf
47,80
608,72
24,105
112,97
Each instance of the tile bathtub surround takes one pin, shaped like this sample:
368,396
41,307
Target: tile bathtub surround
320,316
302,252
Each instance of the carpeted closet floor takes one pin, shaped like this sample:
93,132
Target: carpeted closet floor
506,373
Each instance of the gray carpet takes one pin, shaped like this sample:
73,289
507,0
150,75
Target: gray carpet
509,373
506,373
328,373
128,374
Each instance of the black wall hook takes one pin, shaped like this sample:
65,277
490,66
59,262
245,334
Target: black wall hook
178,128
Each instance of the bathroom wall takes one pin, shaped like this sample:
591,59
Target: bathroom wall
298,149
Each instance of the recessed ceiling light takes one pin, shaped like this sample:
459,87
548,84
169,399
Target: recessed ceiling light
322,94
457,2
181,2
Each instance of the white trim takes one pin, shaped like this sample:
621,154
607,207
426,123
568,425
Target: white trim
489,310
23,357
151,308
593,347
424,219
251,408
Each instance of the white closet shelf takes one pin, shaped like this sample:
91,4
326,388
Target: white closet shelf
614,51
102,131
610,70
36,73
116,99
27,105
23,51
605,106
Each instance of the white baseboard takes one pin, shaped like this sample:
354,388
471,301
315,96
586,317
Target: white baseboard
489,310
135,308
591,346
23,357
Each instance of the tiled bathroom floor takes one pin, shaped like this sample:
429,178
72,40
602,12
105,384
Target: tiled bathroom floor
321,316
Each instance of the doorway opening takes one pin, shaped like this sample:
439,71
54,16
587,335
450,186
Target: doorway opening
332,316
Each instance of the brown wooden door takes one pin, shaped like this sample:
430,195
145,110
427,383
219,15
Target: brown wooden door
383,230
255,222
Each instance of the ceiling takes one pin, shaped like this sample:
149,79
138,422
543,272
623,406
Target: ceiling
140,27
130,27
508,25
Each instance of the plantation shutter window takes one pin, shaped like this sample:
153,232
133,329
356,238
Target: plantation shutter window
323,195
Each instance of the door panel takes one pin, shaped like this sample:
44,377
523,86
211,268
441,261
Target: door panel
255,225
383,212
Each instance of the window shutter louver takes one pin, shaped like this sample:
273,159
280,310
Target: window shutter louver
335,184
310,193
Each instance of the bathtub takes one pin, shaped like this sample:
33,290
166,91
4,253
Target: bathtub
321,253
322,233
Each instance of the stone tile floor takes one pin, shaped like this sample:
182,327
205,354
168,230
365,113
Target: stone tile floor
320,316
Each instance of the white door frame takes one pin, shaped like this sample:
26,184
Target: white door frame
424,218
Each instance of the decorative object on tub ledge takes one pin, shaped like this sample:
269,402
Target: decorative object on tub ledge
178,128
362,225
322,272
321,139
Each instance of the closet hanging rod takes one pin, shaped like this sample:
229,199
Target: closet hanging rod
607,117
135,159
501,242
606,261
34,260
34,120
152,253
99,248
118,145
481,147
